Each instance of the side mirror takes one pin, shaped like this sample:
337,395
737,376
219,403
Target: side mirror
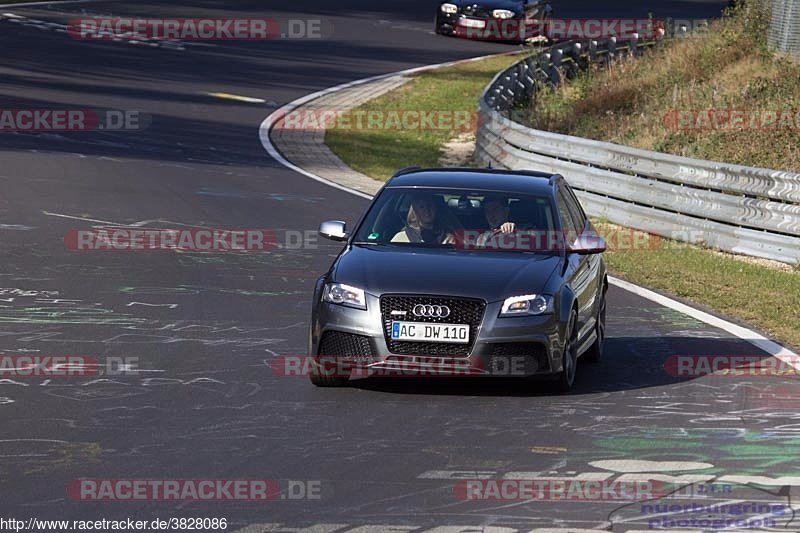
587,243
334,230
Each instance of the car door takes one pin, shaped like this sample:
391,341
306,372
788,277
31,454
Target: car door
590,262
578,273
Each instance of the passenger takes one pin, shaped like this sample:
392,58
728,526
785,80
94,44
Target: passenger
427,222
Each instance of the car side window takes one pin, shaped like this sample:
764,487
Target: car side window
576,208
568,225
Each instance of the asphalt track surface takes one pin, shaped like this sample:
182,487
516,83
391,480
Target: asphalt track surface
205,327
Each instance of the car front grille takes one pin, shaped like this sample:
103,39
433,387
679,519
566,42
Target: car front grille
506,357
477,12
462,311
346,345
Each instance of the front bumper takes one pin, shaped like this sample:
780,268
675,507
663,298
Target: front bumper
489,29
353,343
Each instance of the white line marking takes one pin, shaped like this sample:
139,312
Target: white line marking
139,224
171,306
457,474
473,529
575,530
238,98
25,4
771,347
78,218
585,476
17,227
634,465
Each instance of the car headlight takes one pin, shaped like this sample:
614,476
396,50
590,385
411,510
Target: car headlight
450,9
341,294
502,14
526,305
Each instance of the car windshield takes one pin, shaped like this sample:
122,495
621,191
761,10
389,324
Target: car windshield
459,219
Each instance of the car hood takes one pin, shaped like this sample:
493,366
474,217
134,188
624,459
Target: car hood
512,5
492,276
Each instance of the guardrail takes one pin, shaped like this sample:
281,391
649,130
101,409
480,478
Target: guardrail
784,26
744,210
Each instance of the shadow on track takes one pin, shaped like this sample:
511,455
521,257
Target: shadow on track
628,364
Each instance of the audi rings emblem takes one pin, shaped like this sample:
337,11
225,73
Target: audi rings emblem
431,311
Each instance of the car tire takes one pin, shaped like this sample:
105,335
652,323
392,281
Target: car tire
566,378
523,37
595,352
545,23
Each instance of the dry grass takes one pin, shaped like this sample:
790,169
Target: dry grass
760,292
379,153
633,101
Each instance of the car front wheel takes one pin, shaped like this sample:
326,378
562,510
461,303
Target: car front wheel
595,353
566,378
437,26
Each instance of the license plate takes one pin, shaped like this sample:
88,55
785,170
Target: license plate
471,23
427,332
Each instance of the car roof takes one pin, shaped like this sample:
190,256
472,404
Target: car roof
509,181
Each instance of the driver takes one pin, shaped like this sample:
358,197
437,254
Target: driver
496,210
426,222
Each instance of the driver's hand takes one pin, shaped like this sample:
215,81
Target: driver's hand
507,227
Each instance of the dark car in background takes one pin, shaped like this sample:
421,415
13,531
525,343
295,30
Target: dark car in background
496,20
454,269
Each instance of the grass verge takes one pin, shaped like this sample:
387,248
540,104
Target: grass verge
669,99
767,296
380,152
